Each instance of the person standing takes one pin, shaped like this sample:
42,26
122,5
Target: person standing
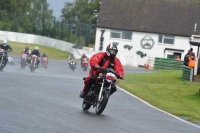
178,58
186,58
191,63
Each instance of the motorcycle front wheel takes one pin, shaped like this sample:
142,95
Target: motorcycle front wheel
101,105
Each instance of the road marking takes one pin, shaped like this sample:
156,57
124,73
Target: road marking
157,108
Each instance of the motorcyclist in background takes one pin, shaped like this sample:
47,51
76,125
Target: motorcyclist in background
7,48
37,53
71,58
44,55
27,52
83,56
106,59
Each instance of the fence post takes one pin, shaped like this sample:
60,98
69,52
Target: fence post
191,74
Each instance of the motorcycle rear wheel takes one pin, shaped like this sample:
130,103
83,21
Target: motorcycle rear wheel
101,105
85,106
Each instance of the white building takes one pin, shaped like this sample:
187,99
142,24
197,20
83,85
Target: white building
158,28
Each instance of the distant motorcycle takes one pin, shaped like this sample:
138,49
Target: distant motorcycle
99,93
84,64
33,64
11,61
24,60
44,62
72,65
2,58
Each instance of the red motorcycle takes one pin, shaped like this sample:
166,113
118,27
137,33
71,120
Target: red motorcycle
24,60
99,93
44,62
85,64
33,65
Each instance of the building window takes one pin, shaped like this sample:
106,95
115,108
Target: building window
115,34
121,34
166,39
127,35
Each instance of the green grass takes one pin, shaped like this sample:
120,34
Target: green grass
166,90
51,52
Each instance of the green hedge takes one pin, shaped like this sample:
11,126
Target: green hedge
169,64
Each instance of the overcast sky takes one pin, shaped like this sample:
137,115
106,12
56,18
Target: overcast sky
57,5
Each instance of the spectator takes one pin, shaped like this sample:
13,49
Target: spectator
178,58
191,63
186,58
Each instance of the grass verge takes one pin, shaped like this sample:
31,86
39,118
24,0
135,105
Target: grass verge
167,91
51,52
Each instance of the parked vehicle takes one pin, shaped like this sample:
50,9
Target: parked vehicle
99,93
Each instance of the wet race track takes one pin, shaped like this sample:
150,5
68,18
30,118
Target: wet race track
47,101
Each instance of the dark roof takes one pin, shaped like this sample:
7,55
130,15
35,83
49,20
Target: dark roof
175,17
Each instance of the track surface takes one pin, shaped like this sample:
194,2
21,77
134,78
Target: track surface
47,101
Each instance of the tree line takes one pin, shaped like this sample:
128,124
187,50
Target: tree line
77,23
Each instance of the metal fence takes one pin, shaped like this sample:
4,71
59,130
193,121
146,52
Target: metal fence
75,32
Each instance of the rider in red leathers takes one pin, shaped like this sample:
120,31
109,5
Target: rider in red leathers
106,59
83,56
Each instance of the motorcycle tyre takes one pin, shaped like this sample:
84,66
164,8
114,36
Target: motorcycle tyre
103,104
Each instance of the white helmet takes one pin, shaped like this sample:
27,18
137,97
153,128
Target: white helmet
5,42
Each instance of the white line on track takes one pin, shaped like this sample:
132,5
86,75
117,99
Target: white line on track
157,108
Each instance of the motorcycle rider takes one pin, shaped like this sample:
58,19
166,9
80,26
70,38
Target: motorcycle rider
106,59
7,48
37,53
71,58
83,56
27,52
44,55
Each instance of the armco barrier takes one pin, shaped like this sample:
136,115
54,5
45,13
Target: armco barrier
187,73
35,39
169,64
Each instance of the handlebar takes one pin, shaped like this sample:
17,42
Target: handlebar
109,70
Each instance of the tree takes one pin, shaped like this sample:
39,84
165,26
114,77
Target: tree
80,14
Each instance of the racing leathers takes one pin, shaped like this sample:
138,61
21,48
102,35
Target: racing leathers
101,59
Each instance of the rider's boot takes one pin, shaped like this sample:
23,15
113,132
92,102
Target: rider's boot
82,95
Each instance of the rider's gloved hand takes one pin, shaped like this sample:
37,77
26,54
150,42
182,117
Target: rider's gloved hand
119,76
97,67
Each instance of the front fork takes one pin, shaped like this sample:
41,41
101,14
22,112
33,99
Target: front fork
101,90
